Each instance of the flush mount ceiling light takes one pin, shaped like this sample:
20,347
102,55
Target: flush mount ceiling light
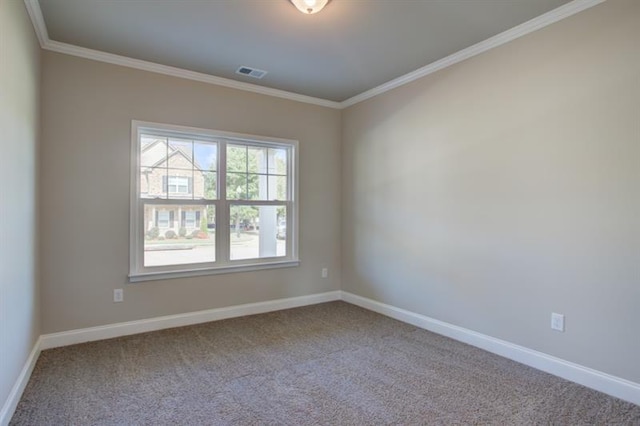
309,7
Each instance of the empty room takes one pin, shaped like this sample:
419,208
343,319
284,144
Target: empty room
305,212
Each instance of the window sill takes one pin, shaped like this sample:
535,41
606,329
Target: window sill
152,276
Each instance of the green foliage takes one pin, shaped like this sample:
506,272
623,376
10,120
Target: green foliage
203,223
210,186
153,233
182,232
240,184
243,165
170,235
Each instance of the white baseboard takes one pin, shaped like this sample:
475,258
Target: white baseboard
65,338
102,332
11,403
594,379
603,382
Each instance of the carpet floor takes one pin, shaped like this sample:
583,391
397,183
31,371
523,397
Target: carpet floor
332,363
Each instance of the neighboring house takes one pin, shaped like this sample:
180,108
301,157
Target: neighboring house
168,171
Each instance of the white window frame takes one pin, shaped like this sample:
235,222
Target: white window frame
187,221
177,185
222,264
168,221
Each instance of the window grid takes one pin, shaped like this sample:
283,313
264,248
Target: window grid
284,223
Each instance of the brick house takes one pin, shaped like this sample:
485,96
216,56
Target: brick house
169,171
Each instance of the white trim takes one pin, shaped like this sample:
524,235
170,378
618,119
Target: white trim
603,382
222,265
594,379
13,399
110,58
166,275
110,331
35,13
525,28
555,15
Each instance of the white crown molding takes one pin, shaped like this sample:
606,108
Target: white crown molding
35,13
562,12
96,55
534,24
594,379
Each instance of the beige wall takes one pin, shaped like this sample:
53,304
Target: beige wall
87,110
19,125
507,187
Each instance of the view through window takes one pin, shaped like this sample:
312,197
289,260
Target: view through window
188,184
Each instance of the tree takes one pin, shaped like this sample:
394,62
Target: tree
246,166
203,223
241,185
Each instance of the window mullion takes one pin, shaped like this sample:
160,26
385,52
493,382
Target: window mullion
167,168
246,150
182,198
193,171
222,208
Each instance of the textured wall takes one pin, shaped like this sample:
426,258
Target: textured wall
87,110
507,187
19,125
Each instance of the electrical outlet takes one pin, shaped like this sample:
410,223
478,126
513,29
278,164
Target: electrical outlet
325,272
118,295
557,322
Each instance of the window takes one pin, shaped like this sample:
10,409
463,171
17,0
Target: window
205,202
177,184
190,219
163,217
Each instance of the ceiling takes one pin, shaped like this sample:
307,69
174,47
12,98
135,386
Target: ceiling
346,49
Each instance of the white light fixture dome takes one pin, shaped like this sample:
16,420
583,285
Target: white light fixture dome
309,7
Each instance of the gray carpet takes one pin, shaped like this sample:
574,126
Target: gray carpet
332,363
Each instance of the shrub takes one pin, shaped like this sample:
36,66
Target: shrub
194,233
153,233
170,235
182,232
189,237
161,237
202,235
203,223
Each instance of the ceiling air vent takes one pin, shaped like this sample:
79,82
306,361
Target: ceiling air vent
251,72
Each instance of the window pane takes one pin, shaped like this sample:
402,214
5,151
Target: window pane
153,151
176,235
278,188
277,161
257,232
180,154
205,185
189,219
255,191
153,182
257,160
206,155
261,186
236,186
179,183
237,158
